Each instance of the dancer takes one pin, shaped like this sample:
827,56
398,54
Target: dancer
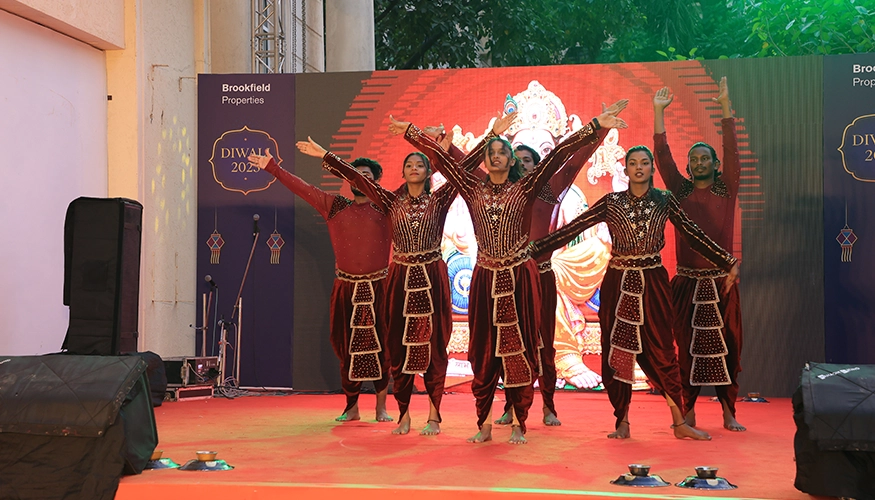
505,299
544,214
360,235
707,329
635,313
418,290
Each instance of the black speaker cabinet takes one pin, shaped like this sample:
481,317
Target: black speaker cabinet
102,275
834,411
70,426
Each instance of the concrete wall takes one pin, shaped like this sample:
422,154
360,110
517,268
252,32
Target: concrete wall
99,23
152,136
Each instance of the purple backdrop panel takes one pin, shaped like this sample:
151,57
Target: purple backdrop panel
239,115
848,205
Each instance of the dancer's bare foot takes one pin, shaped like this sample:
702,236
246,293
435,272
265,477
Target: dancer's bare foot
729,422
505,419
690,418
484,435
403,425
382,414
350,415
433,428
685,431
733,425
550,419
517,436
623,431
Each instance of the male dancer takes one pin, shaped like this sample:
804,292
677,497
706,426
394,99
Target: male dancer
635,313
707,324
544,214
360,235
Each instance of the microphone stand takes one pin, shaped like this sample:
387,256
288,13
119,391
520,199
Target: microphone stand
234,314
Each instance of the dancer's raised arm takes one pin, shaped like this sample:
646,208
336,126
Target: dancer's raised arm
380,196
317,198
587,135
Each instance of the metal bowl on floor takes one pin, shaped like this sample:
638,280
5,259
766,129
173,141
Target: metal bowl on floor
206,461
156,462
638,476
639,470
706,479
706,472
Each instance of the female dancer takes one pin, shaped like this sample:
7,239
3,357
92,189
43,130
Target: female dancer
635,313
418,290
503,313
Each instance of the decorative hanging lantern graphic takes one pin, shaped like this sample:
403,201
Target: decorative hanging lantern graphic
215,242
846,239
275,242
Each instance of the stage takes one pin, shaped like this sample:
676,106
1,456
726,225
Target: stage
291,447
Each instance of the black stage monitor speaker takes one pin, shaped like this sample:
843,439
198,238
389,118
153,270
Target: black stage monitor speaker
834,411
102,275
70,426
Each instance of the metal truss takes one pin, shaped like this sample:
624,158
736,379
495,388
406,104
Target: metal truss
268,36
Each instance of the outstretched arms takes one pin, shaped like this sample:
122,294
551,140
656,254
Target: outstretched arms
318,199
334,164
586,135
561,237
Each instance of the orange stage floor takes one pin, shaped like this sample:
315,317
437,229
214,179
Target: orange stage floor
291,447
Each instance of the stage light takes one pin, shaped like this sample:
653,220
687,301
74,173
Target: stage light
706,479
206,461
639,476
156,462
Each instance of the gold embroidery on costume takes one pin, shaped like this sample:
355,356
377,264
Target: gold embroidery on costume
364,343
708,347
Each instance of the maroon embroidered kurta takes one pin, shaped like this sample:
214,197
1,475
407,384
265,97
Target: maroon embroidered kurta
418,290
360,236
707,324
503,315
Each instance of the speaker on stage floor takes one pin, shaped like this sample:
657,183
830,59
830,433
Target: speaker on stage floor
70,426
102,275
834,411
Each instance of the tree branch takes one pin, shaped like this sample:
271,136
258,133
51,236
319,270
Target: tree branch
391,6
417,56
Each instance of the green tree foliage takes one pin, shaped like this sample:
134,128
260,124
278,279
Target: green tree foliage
468,33
804,27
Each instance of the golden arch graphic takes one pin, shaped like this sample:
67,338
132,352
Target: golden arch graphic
230,164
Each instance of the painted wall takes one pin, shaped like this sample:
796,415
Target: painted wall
53,138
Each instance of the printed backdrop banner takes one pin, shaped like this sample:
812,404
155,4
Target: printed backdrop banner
239,115
848,205
780,222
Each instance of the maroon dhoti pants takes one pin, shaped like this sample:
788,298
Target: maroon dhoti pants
403,356
657,359
547,380
341,316
683,288
483,343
